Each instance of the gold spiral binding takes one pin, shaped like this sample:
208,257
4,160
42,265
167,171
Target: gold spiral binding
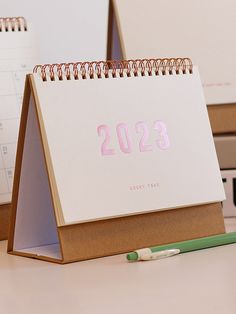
12,24
114,68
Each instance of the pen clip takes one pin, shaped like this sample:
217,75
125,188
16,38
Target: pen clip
158,255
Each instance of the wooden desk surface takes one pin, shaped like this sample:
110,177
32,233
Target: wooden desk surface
201,282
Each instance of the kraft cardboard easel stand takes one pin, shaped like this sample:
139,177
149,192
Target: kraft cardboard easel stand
4,221
106,237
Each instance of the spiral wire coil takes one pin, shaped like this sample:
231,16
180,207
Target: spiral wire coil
114,68
13,24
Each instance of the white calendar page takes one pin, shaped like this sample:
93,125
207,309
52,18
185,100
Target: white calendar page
122,146
17,58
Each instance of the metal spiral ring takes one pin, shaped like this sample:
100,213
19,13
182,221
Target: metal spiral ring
13,24
114,68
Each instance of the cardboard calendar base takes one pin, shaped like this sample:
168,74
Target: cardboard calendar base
222,118
226,150
114,236
4,221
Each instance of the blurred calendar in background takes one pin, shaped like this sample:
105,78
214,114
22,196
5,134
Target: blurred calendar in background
61,25
18,55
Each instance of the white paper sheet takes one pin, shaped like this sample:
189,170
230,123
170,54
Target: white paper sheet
35,222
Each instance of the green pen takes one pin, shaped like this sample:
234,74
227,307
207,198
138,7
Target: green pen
167,250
